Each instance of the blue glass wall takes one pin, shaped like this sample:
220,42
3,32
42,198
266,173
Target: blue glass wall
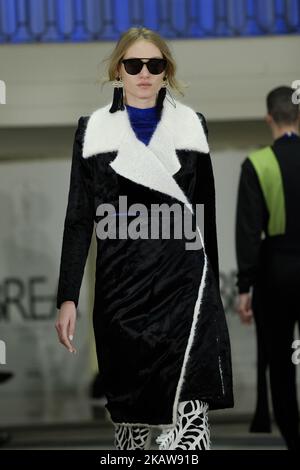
94,20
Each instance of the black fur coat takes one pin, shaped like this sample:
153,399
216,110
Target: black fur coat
159,323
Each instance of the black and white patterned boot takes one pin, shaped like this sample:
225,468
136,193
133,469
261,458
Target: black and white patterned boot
132,437
191,431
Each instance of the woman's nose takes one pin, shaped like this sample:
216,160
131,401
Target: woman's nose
144,70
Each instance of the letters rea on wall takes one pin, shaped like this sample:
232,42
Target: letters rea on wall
2,92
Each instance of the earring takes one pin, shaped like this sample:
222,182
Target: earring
118,101
171,99
161,96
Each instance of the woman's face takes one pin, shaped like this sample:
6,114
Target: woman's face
144,86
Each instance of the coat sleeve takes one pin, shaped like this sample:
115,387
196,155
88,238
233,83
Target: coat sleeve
251,218
78,225
205,194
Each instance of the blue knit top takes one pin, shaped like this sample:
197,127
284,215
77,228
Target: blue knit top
143,121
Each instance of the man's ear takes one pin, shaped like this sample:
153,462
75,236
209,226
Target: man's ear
268,119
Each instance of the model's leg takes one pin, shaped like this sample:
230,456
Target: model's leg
283,371
132,437
191,431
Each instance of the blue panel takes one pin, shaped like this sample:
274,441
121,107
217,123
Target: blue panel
104,20
66,19
207,18
293,14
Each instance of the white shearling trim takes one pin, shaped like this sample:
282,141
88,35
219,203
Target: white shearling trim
178,126
196,315
140,164
151,165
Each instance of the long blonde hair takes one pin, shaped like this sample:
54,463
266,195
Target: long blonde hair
126,40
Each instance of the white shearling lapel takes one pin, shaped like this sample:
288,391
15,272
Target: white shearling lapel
151,165
105,131
143,167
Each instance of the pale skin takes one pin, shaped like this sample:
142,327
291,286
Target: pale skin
244,301
134,95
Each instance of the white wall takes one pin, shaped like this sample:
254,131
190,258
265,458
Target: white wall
52,84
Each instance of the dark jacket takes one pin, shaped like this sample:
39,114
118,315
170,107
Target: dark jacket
267,256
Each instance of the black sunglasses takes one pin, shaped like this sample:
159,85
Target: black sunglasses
134,66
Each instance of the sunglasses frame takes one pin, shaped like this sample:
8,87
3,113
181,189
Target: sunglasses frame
124,61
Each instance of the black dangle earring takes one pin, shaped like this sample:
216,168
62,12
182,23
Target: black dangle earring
161,96
118,100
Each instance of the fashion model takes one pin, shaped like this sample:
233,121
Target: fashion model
161,335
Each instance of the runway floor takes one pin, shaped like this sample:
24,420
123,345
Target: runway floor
227,433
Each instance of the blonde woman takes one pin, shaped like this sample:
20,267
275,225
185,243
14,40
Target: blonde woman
161,335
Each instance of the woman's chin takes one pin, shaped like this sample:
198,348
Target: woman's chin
146,96
144,92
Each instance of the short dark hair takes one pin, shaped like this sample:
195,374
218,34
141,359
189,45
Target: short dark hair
281,107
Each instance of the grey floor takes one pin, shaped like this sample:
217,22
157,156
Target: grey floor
100,436
77,423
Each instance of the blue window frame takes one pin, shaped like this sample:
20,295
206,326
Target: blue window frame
32,21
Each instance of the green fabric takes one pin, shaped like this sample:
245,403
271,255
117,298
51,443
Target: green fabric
270,178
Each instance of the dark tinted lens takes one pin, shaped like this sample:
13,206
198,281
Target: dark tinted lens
133,66
156,66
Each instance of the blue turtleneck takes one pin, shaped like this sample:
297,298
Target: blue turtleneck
143,121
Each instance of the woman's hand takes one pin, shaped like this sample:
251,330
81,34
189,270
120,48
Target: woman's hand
65,324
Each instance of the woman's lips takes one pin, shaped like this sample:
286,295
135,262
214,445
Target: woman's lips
144,85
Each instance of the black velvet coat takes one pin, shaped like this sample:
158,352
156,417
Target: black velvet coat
160,328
